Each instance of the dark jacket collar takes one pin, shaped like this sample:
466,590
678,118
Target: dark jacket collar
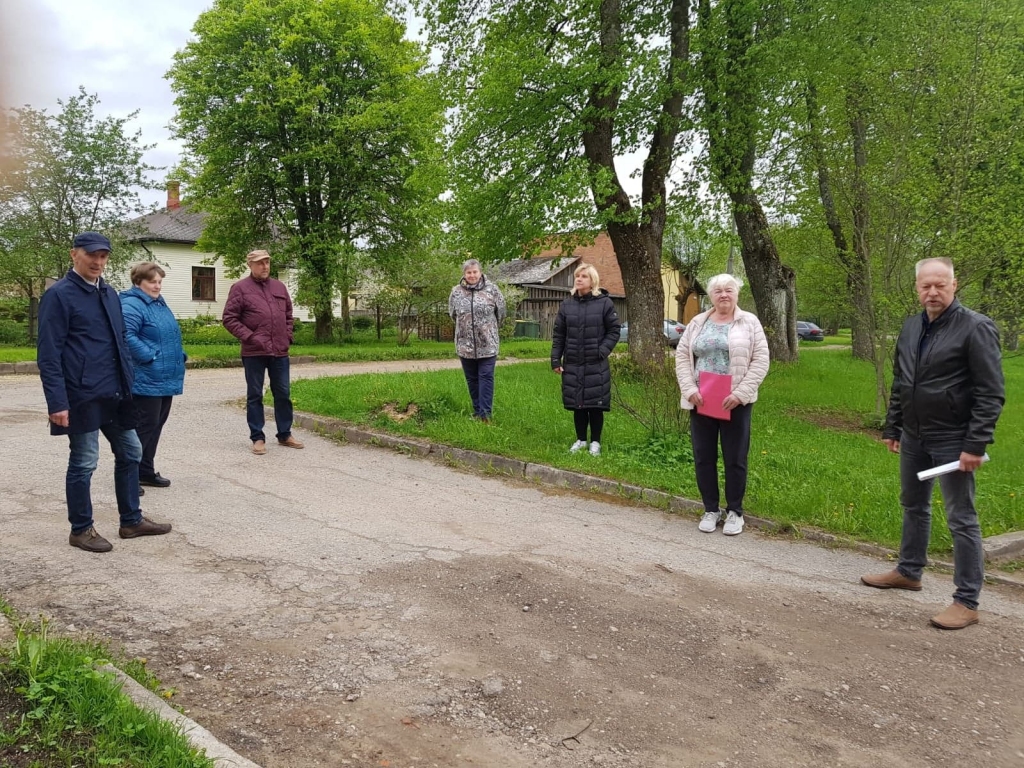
84,284
942,319
590,296
479,283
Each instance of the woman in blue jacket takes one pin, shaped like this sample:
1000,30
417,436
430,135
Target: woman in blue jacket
154,339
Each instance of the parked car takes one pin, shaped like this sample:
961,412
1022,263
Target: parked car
809,331
671,329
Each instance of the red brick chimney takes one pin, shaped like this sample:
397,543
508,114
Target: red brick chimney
173,195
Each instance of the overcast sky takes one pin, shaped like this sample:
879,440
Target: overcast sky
117,49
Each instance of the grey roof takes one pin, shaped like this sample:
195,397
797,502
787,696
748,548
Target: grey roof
530,271
177,225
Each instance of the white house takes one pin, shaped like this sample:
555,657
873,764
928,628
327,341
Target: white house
197,283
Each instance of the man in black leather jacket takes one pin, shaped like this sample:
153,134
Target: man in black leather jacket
947,393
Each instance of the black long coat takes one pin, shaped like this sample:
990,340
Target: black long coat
586,332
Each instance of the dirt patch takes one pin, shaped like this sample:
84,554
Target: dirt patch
392,411
837,421
512,662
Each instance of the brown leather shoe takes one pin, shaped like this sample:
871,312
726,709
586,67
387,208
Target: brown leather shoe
90,541
259,447
957,616
146,528
891,580
290,442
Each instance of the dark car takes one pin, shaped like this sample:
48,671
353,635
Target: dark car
671,329
809,331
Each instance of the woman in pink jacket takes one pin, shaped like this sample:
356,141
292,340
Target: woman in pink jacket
724,340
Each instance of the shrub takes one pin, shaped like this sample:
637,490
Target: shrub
362,323
13,332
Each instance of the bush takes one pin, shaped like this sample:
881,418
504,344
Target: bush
13,332
362,323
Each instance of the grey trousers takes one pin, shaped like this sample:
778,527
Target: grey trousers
961,517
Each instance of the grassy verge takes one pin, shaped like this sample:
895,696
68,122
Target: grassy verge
58,709
212,355
812,460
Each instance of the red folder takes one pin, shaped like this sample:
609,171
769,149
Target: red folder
714,388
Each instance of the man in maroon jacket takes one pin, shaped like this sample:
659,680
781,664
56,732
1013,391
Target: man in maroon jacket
259,314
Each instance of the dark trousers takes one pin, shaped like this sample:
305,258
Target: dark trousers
151,414
82,462
705,432
592,417
280,386
480,379
961,516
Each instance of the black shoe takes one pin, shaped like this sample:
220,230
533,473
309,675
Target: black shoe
142,491
155,481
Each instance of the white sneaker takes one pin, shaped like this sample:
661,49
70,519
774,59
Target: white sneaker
595,449
579,445
733,524
709,522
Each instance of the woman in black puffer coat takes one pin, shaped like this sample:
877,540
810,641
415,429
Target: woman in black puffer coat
586,332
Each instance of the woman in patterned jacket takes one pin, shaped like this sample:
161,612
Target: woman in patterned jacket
478,309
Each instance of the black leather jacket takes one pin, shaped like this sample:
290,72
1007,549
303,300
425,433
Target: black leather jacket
954,389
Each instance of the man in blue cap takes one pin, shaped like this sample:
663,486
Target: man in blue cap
86,371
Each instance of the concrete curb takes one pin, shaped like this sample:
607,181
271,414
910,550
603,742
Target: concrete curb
221,754
30,367
577,481
200,738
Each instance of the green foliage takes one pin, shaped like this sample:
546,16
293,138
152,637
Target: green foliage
65,173
362,323
76,713
312,125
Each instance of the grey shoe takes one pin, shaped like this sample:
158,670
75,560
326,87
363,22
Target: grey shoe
90,541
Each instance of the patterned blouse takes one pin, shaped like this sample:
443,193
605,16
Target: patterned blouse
711,348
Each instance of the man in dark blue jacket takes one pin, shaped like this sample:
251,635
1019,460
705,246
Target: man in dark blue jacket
86,371
947,394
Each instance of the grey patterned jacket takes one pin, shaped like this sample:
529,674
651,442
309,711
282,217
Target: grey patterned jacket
477,311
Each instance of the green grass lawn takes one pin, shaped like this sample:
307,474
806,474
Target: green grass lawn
363,351
811,459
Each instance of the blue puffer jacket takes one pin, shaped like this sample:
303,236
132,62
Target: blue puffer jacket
154,338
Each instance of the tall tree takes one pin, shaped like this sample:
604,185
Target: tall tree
65,173
314,129
548,101
737,89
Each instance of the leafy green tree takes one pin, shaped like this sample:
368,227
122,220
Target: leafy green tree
547,99
65,173
314,129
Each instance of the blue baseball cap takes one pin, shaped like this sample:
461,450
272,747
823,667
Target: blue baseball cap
91,241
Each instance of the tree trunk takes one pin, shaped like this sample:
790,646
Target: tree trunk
640,264
855,264
33,318
859,261
772,283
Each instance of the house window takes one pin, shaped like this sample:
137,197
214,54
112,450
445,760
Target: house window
204,284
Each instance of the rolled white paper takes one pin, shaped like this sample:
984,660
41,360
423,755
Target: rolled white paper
943,469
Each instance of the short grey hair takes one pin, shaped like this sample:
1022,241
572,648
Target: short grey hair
471,263
724,279
934,260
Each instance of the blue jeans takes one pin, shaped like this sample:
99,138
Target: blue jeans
280,386
85,456
480,378
961,517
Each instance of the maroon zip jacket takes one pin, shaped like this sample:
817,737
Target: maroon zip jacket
259,314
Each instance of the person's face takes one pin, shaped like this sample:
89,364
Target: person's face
472,275
152,286
723,298
260,269
936,288
583,283
89,265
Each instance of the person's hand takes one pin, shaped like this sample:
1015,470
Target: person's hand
892,445
696,399
60,418
558,370
969,462
731,402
